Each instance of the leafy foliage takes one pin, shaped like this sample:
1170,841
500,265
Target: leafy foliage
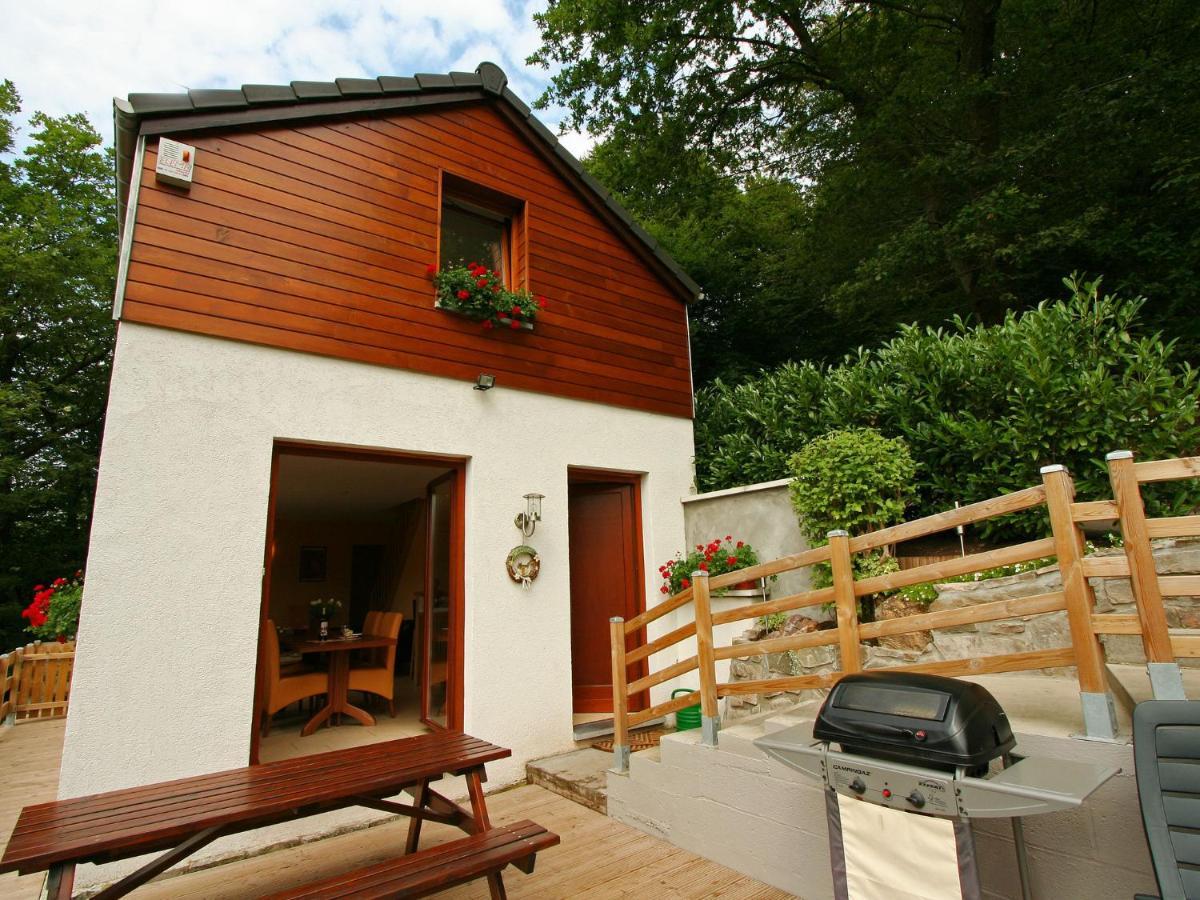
981,408
57,265
476,291
828,171
853,479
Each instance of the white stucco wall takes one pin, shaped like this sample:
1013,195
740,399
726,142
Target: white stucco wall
165,667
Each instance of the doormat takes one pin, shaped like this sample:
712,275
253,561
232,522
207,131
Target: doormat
638,740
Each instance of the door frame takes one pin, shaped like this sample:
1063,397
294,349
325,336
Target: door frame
584,475
293,447
454,655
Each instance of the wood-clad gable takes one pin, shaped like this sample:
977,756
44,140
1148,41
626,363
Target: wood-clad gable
316,237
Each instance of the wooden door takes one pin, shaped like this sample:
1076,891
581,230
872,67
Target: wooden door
606,580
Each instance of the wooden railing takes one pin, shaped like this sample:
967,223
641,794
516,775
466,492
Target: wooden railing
35,682
1076,597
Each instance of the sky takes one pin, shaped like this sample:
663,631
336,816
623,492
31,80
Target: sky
75,56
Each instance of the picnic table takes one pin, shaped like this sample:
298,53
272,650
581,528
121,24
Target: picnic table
183,816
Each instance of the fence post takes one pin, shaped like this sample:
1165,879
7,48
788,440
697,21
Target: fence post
1165,678
847,603
18,675
1099,714
710,721
616,629
8,686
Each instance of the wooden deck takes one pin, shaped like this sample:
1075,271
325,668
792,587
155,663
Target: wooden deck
597,857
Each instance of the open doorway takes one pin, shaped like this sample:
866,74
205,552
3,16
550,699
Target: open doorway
370,544
605,547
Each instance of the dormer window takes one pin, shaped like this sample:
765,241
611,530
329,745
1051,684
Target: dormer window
482,226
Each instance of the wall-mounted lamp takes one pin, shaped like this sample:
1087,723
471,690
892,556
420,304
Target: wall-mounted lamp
527,521
485,382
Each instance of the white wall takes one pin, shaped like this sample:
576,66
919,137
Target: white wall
164,672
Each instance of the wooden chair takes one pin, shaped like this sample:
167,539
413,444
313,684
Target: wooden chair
282,690
379,676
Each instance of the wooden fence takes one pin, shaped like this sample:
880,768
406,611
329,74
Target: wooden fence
35,682
1085,651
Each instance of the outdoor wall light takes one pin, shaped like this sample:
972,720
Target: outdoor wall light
527,521
485,382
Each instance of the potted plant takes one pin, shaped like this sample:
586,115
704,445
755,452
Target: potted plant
475,291
716,557
54,612
320,614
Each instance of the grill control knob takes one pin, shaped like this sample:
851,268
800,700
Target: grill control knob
858,786
916,798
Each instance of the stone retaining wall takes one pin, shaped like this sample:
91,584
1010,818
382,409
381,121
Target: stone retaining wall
1019,634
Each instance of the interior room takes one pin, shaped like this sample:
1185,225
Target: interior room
353,552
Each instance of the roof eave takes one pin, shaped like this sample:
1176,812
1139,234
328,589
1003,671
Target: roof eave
260,104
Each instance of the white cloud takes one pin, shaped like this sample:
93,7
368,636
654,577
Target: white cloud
75,57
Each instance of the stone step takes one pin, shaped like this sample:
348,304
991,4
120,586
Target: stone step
580,775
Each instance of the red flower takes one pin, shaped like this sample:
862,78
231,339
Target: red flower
473,266
488,324
729,537
463,295
59,582
541,302
40,587
495,288
515,325
741,544
704,567
431,270
683,582
665,589
516,311
731,561
482,282
699,546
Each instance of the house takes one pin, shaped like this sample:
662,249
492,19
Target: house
292,418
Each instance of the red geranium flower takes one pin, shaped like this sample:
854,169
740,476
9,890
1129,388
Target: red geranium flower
741,544
431,270
515,325
665,589
482,282
473,266
704,567
685,583
516,311
463,295
729,537
731,561
541,302
487,323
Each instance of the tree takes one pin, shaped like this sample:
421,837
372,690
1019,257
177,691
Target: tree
57,267
953,156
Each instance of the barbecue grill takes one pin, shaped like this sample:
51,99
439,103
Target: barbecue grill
932,748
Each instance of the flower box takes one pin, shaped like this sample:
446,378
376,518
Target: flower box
478,293
504,321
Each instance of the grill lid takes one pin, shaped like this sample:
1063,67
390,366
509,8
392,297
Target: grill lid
924,720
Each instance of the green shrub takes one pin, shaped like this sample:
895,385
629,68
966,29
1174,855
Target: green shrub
854,479
980,408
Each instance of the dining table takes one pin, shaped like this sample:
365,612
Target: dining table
338,648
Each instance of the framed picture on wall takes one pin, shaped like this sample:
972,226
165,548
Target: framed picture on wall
312,563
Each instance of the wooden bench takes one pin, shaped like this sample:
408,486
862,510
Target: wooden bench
435,869
183,816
